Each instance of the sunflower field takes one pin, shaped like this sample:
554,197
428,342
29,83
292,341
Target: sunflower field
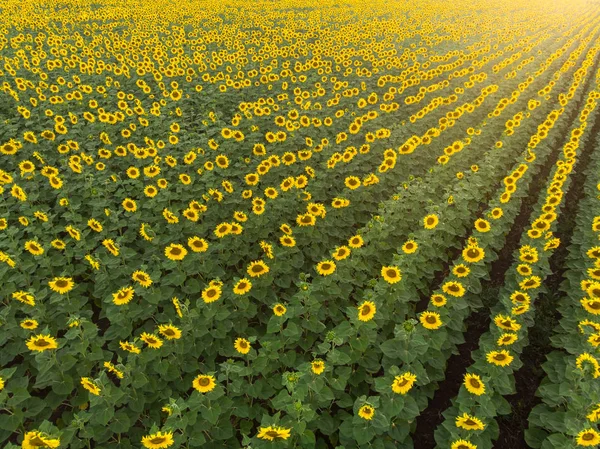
317,224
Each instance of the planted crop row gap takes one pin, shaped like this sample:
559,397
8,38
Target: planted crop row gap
512,427
478,322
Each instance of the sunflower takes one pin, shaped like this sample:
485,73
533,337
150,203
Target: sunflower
24,297
588,437
366,311
530,282
197,244
61,285
499,358
41,343
141,278
461,270
352,182
29,324
356,242
474,384
468,422
129,347
279,309
391,274
90,386
430,221
326,267
257,268
158,440
113,369
34,248
211,293
36,440
430,320
473,254
273,433
438,300
123,296
1,384
366,412
288,241
594,415
588,359
109,244
204,383
129,205
169,331
506,323
524,269
462,444
151,340
507,339
403,383
341,252
482,225
242,345
591,305
409,247
454,288
242,287
175,251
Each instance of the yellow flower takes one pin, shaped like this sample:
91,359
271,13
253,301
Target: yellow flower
473,254
24,297
242,287
141,278
90,386
279,309
123,296
197,244
430,221
29,324
41,343
356,241
242,345
169,331
507,339
61,285
366,311
317,366
129,347
588,437
410,247
482,225
273,433
462,444
468,422
151,340
113,369
391,274
474,384
158,440
257,268
129,205
403,383
366,412
34,248
326,267
175,252
211,294
454,288
36,440
430,320
204,383
499,358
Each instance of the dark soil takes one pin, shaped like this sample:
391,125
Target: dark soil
512,427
